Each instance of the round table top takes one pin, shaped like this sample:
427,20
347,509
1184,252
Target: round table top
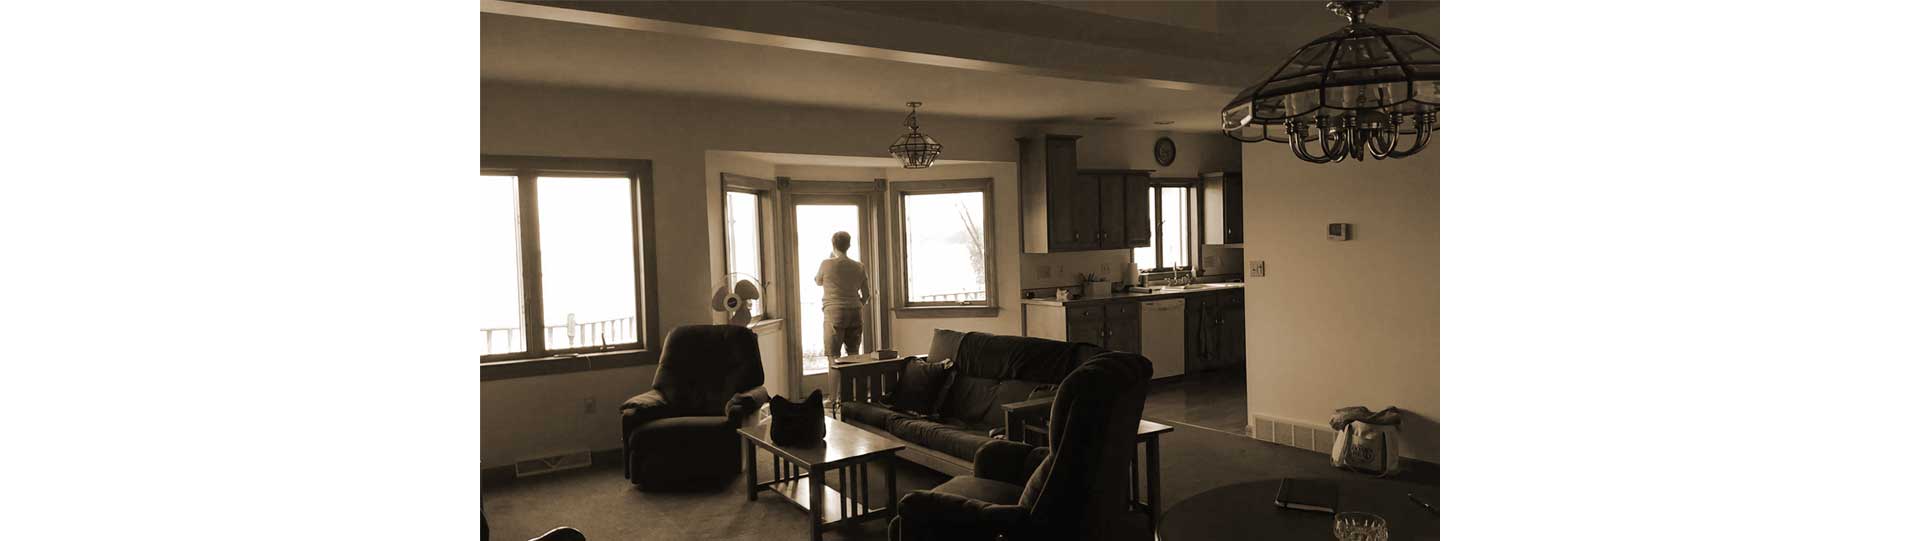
1246,511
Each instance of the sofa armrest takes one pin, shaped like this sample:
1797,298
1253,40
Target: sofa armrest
924,514
743,405
643,407
1026,412
861,381
1007,461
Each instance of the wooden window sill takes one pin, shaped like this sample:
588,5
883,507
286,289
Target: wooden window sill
915,312
567,364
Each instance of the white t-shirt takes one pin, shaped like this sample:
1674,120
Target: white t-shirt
843,279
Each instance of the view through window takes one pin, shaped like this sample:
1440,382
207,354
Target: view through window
1173,221
945,247
488,210
586,261
743,243
814,226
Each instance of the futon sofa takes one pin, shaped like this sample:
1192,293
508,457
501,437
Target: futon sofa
946,421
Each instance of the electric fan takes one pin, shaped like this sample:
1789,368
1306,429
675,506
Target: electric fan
735,297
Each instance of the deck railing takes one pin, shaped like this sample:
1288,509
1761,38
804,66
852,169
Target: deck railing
572,334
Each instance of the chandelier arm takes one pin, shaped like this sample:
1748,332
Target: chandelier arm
1423,130
1391,139
1300,151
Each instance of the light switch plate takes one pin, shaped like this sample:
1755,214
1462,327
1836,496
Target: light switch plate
1258,267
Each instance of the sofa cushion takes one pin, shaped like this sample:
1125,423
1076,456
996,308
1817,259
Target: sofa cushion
984,355
969,400
946,345
874,415
923,386
945,438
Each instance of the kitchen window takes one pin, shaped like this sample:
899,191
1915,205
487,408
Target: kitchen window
1171,213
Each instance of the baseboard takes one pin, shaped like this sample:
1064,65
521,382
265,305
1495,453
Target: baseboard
1312,437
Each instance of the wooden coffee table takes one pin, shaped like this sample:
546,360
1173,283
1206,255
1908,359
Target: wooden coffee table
1245,511
799,473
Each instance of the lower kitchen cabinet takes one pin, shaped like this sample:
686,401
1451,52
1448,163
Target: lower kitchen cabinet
1216,330
1113,325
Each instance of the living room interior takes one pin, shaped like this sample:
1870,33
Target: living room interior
758,129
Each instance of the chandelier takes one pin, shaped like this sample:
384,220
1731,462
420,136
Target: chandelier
1362,91
915,150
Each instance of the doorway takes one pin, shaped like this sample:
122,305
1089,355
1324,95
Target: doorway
818,209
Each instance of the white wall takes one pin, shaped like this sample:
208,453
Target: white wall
532,417
1345,323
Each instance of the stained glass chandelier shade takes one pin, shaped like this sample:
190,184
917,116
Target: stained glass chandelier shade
915,150
1365,90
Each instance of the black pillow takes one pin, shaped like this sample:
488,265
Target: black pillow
923,385
945,346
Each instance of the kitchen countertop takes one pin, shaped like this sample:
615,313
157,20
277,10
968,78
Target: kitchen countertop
1130,296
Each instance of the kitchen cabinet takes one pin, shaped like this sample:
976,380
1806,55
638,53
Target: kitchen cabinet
1067,209
1216,330
1112,325
1222,208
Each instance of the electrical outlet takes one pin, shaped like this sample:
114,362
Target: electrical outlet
591,405
1258,267
1106,268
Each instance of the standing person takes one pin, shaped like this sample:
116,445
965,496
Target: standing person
845,283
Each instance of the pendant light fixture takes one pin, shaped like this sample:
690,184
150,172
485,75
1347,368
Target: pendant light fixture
1365,90
915,150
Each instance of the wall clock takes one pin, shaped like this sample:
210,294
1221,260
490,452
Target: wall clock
1163,151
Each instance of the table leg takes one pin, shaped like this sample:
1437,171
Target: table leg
753,470
893,498
1153,483
816,480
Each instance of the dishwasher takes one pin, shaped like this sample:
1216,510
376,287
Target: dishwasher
1163,336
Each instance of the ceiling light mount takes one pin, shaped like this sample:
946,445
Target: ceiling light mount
915,150
1355,91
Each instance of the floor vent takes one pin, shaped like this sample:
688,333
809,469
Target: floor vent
1317,438
552,464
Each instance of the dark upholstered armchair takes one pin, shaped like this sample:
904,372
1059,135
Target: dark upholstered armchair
1076,488
681,433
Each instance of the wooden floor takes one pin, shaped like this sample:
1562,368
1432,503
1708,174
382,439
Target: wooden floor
1215,399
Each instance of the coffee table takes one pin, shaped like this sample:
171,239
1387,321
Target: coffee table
800,472
1246,511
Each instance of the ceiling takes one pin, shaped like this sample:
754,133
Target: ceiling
1057,62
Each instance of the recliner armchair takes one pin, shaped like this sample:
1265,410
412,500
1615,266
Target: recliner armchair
1076,488
681,433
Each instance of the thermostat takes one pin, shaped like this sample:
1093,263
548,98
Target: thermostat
1339,231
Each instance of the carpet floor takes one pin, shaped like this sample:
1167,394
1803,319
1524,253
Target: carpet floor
605,506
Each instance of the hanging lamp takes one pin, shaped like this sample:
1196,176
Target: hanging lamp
915,150
1365,90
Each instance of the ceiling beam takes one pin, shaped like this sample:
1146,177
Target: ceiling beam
515,9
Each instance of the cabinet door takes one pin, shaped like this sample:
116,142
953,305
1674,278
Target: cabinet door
1203,344
1232,328
1234,214
1123,326
1062,169
1139,216
1085,216
1087,323
1113,216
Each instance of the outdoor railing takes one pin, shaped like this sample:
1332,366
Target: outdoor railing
573,334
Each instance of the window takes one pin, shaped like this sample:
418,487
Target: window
945,243
562,244
1172,217
745,213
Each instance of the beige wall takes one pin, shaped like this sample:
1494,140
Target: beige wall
534,417
1345,323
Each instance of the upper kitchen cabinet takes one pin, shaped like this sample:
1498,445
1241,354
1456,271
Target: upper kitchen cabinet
1222,208
1067,209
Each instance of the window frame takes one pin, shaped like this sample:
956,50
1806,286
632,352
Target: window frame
1154,187
538,359
897,197
765,192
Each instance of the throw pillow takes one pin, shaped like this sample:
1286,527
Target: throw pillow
946,345
923,386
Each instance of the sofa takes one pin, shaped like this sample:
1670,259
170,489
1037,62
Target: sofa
680,435
1074,488
945,423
